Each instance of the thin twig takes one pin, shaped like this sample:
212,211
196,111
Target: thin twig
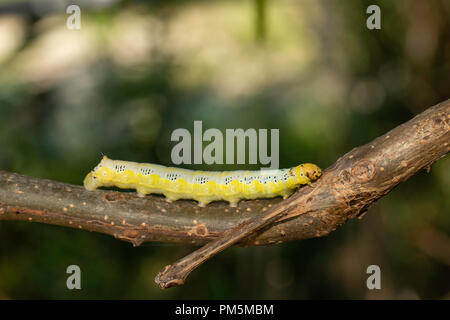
175,274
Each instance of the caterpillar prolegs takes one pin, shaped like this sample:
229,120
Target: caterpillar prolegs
202,186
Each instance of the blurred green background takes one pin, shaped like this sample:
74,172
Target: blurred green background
137,70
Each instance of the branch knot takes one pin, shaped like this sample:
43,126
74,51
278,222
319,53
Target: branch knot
363,171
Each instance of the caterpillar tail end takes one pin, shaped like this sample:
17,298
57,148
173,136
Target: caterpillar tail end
91,182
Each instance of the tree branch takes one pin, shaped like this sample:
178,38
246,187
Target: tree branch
364,170
345,190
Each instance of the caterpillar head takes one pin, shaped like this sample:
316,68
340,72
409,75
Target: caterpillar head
99,176
307,171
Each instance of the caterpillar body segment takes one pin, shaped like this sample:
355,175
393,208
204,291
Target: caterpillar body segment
202,186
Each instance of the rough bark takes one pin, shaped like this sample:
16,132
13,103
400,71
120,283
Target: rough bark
345,191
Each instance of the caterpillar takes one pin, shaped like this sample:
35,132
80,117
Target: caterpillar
202,186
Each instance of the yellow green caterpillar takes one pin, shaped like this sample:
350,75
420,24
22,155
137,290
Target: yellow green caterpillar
202,186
